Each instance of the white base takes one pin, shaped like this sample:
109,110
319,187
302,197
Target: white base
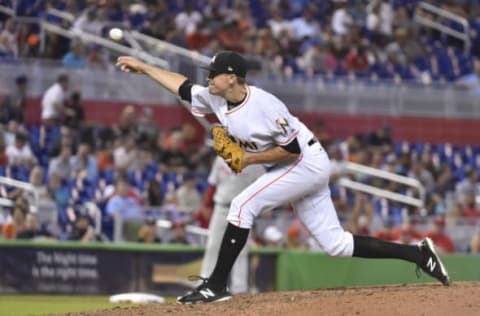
137,298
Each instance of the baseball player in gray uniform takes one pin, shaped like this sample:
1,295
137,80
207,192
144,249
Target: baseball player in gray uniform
298,171
227,186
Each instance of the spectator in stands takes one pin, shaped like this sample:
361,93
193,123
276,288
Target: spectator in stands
475,244
470,185
386,231
379,20
362,215
471,81
59,192
242,14
417,171
60,165
75,115
294,239
127,124
3,152
381,138
53,101
305,26
406,237
95,57
153,193
356,61
105,159
32,229
188,197
278,24
82,230
171,156
13,106
84,161
47,208
122,203
188,20
179,234
442,241
16,225
408,225
341,19
231,37
67,138
125,154
444,180
20,154
8,39
88,22
318,59
438,204
470,207
75,58
148,232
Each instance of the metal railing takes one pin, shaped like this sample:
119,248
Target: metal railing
6,10
351,167
24,186
426,7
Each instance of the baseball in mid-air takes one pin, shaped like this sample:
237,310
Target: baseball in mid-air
115,34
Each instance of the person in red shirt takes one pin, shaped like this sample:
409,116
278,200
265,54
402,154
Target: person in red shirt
407,227
386,232
470,208
441,240
356,61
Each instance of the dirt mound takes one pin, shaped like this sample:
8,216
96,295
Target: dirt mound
460,298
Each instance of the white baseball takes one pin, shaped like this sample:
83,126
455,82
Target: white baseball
115,34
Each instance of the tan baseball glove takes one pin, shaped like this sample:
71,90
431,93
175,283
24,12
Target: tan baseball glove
226,148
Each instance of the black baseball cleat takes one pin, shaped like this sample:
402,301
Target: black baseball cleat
430,262
204,294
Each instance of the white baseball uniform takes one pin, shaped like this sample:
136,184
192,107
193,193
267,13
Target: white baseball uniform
228,185
263,122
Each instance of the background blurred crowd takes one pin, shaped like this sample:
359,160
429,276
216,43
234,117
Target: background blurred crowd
361,39
87,173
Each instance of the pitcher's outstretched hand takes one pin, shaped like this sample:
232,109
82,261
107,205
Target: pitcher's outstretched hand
130,64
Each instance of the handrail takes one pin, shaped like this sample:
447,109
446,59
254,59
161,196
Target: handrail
7,10
163,45
24,186
163,223
355,167
442,28
344,182
354,185
61,14
104,42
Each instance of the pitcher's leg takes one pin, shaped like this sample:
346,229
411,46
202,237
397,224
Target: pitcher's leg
318,215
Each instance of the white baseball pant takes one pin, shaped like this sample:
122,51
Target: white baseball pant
304,184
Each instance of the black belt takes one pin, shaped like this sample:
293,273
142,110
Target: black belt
312,141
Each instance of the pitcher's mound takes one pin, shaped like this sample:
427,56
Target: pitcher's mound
461,298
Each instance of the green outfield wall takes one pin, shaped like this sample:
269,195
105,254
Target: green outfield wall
306,270
105,268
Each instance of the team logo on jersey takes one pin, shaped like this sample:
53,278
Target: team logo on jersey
283,124
245,144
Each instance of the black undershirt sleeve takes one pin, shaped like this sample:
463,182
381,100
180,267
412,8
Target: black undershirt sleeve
292,147
185,91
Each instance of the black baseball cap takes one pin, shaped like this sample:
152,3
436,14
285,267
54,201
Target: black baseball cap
228,62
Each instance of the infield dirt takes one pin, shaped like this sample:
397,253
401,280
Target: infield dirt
459,299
